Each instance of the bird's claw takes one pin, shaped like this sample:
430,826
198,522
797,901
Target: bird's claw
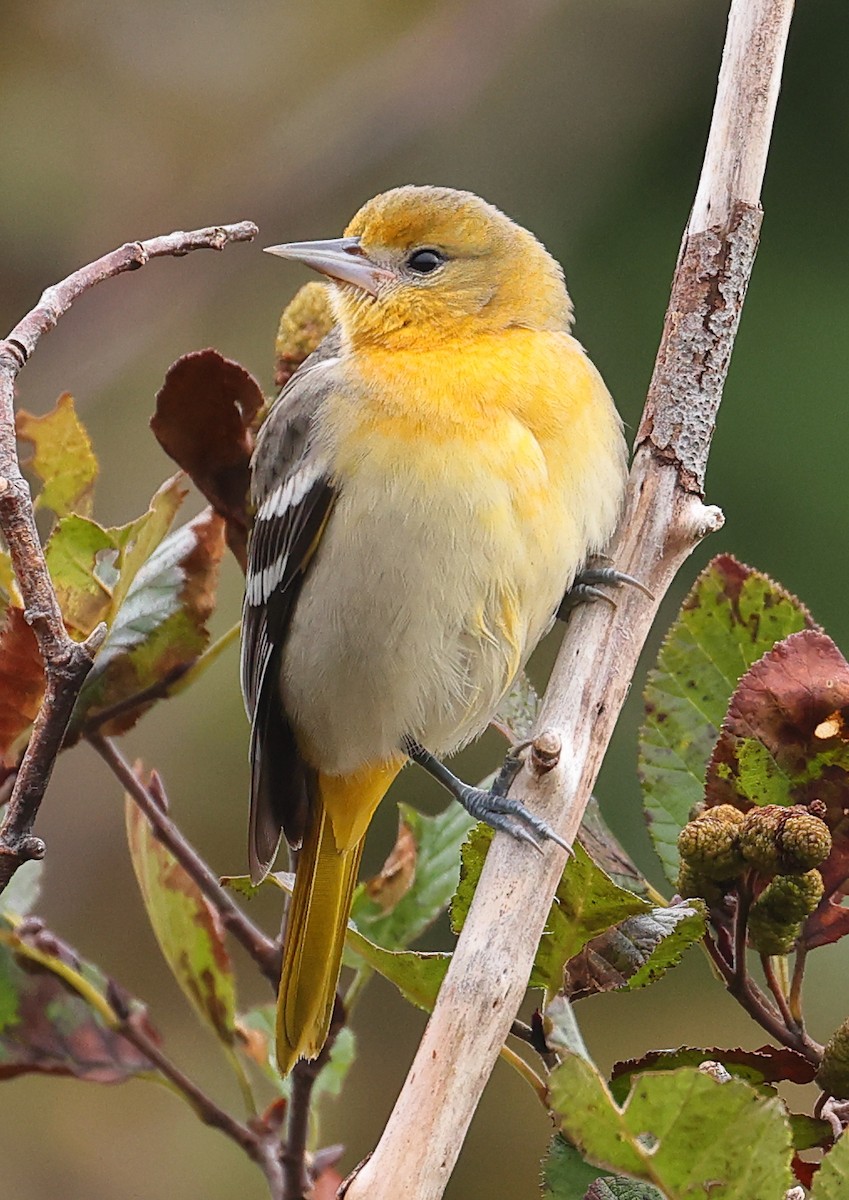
585,588
508,815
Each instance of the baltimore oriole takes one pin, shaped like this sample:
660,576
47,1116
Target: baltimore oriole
426,490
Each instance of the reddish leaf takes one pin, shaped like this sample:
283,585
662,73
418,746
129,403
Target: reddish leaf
785,740
769,1064
204,415
326,1186
47,1028
21,678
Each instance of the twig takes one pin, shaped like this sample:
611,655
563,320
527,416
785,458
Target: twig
664,519
741,928
795,998
296,1181
66,662
774,985
261,948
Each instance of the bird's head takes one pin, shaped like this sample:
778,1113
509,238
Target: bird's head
424,265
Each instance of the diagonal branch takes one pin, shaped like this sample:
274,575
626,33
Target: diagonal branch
66,662
664,520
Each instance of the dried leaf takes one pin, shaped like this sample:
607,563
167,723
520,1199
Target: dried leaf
47,1028
204,415
188,929
21,678
397,874
768,1064
62,458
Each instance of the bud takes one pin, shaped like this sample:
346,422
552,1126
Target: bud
775,918
833,1075
709,844
305,322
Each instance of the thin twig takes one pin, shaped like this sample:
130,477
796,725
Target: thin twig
66,662
664,519
774,985
261,948
296,1181
795,998
741,929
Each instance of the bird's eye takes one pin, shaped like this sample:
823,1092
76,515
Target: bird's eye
422,262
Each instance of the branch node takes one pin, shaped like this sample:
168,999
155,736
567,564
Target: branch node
31,848
546,749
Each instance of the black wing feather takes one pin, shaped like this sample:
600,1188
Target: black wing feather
292,497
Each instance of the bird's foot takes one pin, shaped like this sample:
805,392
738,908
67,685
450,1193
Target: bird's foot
586,588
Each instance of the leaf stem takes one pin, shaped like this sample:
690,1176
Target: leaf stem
775,985
527,1072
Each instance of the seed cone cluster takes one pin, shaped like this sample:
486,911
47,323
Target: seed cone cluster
783,846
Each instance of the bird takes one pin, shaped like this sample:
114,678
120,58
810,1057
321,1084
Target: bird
426,490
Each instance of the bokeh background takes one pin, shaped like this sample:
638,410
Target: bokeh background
586,121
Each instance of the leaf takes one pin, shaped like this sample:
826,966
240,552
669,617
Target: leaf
517,713
832,1180
62,458
809,1133
606,851
21,893
769,1064
731,617
137,540
636,952
204,415
49,1029
617,1188
785,740
74,552
436,849
186,926
586,902
679,1130
160,630
417,975
565,1175
256,1032
21,678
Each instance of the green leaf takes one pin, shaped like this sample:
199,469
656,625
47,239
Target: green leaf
418,976
637,951
435,860
137,541
518,711
75,551
607,852
565,1175
47,1026
186,926
832,1179
62,458
256,1030
160,630
586,902
731,617
21,894
617,1188
679,1130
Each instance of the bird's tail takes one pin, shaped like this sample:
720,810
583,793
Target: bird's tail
318,915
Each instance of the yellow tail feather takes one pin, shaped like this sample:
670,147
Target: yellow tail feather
315,933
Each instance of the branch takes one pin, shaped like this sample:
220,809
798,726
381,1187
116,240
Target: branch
264,952
66,662
664,519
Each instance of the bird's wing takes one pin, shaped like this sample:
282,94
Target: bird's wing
292,496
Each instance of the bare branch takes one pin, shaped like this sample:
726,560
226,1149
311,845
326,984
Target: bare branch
66,662
664,519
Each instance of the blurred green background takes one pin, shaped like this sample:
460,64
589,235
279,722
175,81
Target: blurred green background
583,119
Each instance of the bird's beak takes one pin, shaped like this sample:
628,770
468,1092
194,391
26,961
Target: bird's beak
340,258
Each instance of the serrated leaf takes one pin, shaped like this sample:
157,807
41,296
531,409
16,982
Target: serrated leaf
62,458
565,1175
75,551
768,1064
635,952
679,1130
436,841
587,902
832,1179
186,926
21,678
160,630
47,1028
617,1188
731,617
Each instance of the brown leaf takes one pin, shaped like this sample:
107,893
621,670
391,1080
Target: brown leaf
21,678
204,418
397,874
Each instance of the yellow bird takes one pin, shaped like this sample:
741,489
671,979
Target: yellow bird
427,489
